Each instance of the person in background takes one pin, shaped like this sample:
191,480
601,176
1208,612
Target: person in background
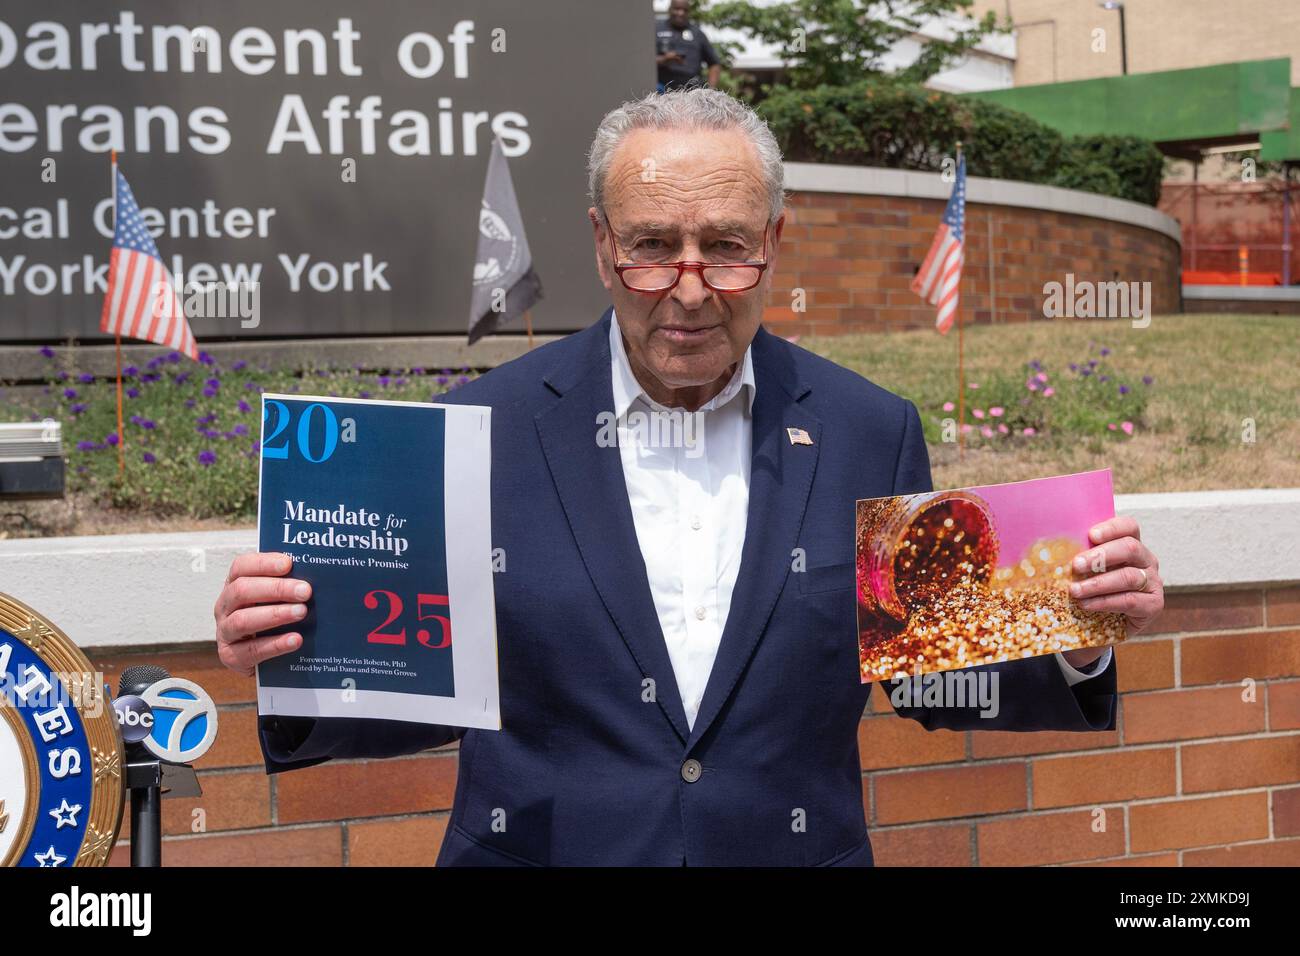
680,48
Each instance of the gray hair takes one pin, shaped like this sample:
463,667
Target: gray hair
699,108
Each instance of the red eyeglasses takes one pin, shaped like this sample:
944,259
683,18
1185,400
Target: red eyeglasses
663,276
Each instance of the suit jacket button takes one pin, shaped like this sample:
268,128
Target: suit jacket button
691,770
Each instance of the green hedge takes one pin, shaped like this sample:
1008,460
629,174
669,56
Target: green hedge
901,126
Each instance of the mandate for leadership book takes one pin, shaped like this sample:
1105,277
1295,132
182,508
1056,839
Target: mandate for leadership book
384,508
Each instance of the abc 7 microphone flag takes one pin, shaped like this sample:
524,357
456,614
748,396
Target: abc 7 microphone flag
66,747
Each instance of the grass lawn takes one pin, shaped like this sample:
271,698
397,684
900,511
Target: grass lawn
1166,407
1211,377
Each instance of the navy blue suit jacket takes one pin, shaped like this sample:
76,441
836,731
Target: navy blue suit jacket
589,766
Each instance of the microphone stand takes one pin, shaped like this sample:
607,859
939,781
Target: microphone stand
144,780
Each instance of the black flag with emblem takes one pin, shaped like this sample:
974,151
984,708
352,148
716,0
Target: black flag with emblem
505,285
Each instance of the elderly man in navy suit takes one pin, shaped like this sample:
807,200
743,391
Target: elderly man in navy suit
672,691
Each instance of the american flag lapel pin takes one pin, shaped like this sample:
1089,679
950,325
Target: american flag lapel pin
798,436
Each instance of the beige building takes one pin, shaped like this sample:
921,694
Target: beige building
1061,40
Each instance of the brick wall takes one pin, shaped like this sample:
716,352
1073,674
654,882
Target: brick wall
854,255
1192,775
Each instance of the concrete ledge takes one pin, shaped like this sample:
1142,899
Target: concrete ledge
1221,538
876,181
142,589
1243,293
24,362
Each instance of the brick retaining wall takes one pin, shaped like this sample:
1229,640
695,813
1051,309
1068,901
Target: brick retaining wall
1192,775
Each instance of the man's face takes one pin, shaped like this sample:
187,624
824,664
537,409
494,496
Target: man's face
679,12
680,194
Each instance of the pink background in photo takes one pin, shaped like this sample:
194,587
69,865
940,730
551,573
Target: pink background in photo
1065,506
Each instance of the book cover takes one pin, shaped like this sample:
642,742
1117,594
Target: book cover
384,508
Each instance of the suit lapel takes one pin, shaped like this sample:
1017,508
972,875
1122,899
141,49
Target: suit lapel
593,491
780,479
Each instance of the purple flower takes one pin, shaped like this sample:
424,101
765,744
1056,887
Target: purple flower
153,363
63,376
1147,379
250,385
1085,371
442,380
132,392
244,407
47,351
213,383
78,408
69,393
207,359
209,391
189,403
240,429
1103,378
180,378
257,445
148,458
417,371
462,380
110,438
1092,363
174,357
1105,352
383,381
363,395
85,446
85,378
238,365
207,458
130,371
1123,389
1074,367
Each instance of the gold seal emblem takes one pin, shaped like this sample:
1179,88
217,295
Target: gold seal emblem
61,751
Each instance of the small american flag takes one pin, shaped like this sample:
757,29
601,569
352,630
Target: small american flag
142,301
940,273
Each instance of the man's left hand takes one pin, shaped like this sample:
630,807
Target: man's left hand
1119,573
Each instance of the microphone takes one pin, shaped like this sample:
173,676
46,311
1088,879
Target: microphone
167,722
137,679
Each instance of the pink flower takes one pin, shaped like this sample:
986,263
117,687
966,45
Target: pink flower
948,406
1041,376
996,411
972,385
986,432
1032,385
966,428
1128,427
1049,392
1004,429
977,412
1111,426
1029,431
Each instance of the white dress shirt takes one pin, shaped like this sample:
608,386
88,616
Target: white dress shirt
687,480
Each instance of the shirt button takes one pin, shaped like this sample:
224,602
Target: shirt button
691,770
696,523
699,613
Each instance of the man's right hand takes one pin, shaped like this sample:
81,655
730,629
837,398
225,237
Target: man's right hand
665,58
256,597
